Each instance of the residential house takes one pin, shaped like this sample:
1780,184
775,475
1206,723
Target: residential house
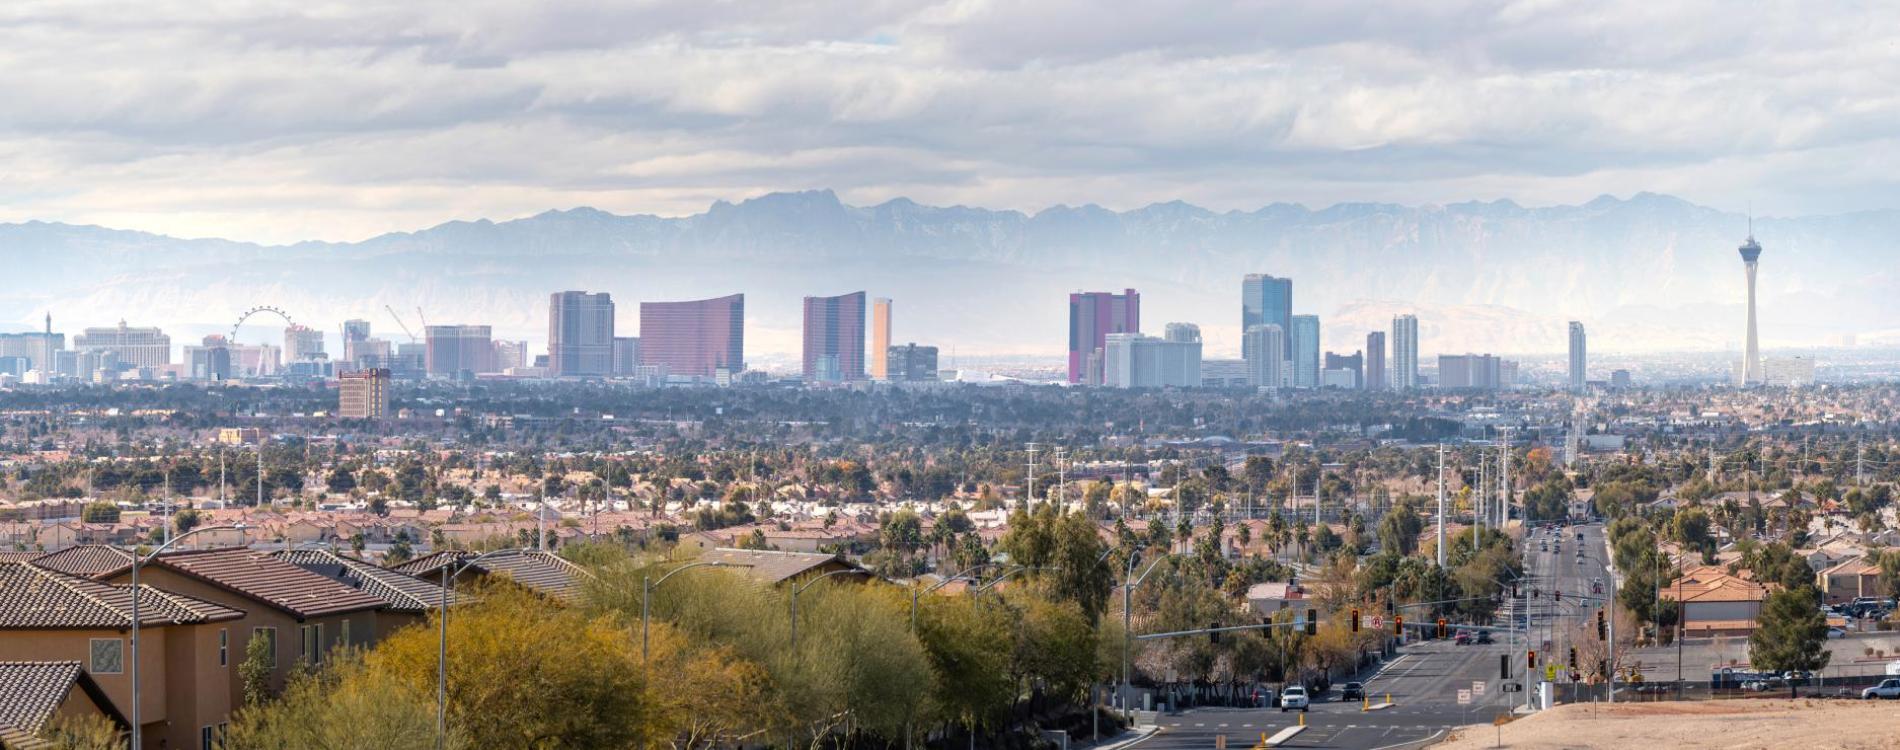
302,615
775,567
185,646
543,572
408,599
1848,580
36,694
1272,596
1715,602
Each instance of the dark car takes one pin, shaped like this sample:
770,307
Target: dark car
1353,691
1484,636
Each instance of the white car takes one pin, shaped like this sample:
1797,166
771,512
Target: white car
1888,688
1295,697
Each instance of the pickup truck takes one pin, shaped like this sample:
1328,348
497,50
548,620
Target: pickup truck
1888,688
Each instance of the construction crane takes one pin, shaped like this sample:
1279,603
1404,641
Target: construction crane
402,325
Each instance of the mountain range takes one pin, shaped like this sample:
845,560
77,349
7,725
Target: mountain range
1645,274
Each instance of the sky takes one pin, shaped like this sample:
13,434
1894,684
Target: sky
284,121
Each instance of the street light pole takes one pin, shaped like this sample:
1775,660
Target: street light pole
647,585
801,589
138,561
442,644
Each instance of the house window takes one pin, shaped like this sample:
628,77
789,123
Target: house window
343,638
224,647
108,655
312,643
207,737
270,636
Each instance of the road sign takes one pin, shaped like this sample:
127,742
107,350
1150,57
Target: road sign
1550,673
1378,622
1464,697
1513,687
1477,687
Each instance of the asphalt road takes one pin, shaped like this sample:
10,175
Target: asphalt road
1423,682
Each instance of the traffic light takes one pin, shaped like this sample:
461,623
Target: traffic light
1504,666
1398,626
1530,659
1441,627
1600,629
1603,667
1537,593
1213,636
1355,619
1312,622
1558,594
1514,590
1573,657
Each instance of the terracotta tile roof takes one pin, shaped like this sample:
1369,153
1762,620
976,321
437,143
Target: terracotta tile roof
402,592
772,566
31,692
271,581
1726,590
13,556
544,572
86,560
429,564
32,597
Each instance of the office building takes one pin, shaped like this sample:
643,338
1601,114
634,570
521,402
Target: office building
454,351
1787,371
1266,300
580,334
1266,366
881,338
1470,371
1305,351
1620,378
355,332
911,363
1131,360
694,339
1507,373
1750,371
1405,352
1226,373
135,347
1354,363
36,348
1340,378
1182,333
363,394
210,360
626,356
1578,358
256,360
834,338
303,344
1375,362
1092,317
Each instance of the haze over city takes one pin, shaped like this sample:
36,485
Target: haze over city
949,375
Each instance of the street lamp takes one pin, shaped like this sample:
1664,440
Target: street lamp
916,593
647,585
442,645
1129,582
139,561
796,590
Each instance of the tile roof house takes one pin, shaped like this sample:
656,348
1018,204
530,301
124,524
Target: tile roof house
1849,580
774,567
303,615
34,693
185,657
1715,602
544,572
85,560
401,593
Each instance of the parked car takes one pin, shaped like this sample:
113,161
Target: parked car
1888,688
1797,678
1353,691
1295,697
1836,633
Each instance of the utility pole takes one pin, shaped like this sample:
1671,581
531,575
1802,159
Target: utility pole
260,471
1478,508
1062,481
1504,483
1029,491
1860,465
1441,505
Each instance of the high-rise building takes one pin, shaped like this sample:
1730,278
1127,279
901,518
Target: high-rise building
697,338
34,348
1470,371
1266,300
911,363
355,332
1787,371
211,360
1092,317
135,347
834,338
1305,351
580,334
1354,363
1750,372
1182,333
1619,378
881,339
455,350
303,344
510,354
363,394
626,356
1578,358
1226,373
1131,360
1266,366
1405,352
1375,362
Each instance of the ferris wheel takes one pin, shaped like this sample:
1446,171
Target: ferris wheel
259,310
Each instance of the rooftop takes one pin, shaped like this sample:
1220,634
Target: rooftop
32,597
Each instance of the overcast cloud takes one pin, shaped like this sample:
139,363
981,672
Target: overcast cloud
311,120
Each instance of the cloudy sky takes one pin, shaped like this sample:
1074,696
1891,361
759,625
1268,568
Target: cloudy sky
279,121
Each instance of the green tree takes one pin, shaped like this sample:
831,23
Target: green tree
1791,633
344,706
256,670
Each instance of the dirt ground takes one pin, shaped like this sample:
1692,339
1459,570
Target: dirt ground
1764,724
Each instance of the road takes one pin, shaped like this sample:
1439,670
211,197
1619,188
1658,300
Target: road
1424,680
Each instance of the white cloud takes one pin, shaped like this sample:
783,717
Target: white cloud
285,121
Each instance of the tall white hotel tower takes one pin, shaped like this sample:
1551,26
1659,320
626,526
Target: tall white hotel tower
1750,371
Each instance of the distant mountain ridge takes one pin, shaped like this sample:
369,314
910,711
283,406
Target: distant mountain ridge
1650,272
